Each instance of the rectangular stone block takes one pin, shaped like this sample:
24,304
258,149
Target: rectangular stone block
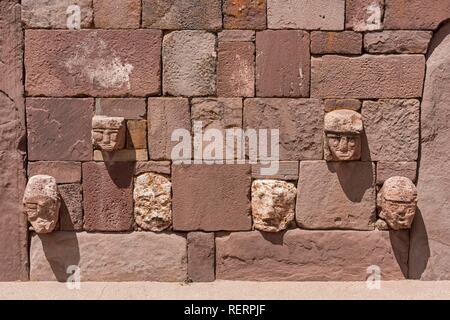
136,134
71,210
59,129
137,256
123,14
152,166
53,14
129,108
93,62
299,121
236,69
364,15
244,14
305,14
124,155
368,76
336,195
299,255
164,116
337,104
385,170
397,41
236,36
62,171
108,196
391,130
287,170
345,42
182,14
201,256
282,63
211,197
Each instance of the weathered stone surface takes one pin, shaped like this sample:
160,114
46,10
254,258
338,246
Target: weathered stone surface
300,255
124,155
59,129
164,116
397,41
304,14
236,35
336,195
182,14
71,211
300,122
367,76
244,14
364,15
201,256
211,197
53,14
41,203
392,130
282,63
345,42
136,134
93,62
236,69
62,171
137,256
189,63
152,202
338,104
386,169
108,196
287,170
129,108
415,14
273,204
117,14
162,167
430,242
108,133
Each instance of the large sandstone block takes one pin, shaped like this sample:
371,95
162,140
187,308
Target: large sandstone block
182,14
211,197
304,14
71,210
124,14
244,14
364,15
93,62
367,76
282,63
128,108
201,256
386,170
59,129
299,255
300,122
392,130
345,42
189,63
336,195
403,41
108,196
62,171
137,256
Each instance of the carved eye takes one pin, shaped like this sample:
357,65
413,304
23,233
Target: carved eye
334,140
98,135
351,141
113,136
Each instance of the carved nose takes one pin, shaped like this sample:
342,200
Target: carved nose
106,138
343,144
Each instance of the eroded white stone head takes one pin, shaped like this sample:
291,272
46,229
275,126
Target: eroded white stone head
41,203
342,131
397,202
152,202
273,204
108,133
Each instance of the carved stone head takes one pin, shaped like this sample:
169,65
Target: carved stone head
152,202
342,135
108,133
273,204
41,203
397,202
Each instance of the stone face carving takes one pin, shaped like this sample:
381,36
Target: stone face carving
108,133
342,135
273,204
152,202
41,203
397,201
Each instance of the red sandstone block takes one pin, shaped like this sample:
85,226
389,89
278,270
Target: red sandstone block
385,170
108,196
345,42
403,41
93,62
121,14
59,129
71,210
162,167
236,35
244,14
287,170
62,171
129,108
336,104
211,197
201,250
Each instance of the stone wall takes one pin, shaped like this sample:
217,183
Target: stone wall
161,65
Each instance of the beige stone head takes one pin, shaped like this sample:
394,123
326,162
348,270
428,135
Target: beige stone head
108,133
342,130
397,202
273,204
41,203
152,202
